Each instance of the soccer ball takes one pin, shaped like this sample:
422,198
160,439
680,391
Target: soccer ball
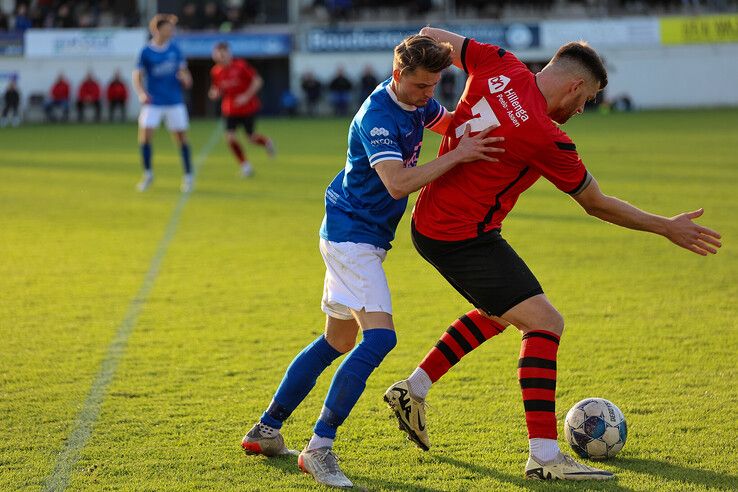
595,429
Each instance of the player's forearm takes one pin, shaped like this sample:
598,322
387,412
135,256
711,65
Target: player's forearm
137,81
622,213
456,40
411,179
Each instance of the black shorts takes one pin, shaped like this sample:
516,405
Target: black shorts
485,270
247,122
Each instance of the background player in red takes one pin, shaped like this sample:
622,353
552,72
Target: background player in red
458,218
238,84
117,96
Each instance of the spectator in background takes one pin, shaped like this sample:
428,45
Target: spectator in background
340,88
232,19
88,94
212,16
64,17
117,96
288,101
313,90
448,88
338,9
22,20
367,84
12,103
59,99
4,24
190,19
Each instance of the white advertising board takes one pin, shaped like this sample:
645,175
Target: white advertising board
641,31
83,43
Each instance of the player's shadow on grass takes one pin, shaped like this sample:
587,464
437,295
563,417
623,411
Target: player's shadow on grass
288,464
678,474
519,481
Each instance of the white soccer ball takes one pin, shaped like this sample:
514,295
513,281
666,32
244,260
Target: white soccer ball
595,428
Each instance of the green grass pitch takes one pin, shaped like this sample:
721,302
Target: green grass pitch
214,294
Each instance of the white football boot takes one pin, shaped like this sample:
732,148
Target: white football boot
246,170
410,413
186,186
145,182
322,464
255,442
563,467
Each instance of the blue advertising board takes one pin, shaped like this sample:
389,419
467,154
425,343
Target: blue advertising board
11,44
514,36
252,45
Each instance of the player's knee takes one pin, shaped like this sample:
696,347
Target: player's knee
343,346
555,323
381,342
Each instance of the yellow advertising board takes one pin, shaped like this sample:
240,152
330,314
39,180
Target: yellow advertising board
699,29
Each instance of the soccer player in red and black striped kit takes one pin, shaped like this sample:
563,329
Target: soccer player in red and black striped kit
238,83
458,218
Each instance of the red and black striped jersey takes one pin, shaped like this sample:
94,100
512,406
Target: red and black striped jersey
475,197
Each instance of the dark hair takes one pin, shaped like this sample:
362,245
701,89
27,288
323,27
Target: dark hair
422,52
222,45
156,22
583,54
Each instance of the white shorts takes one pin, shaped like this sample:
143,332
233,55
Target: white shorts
175,115
354,279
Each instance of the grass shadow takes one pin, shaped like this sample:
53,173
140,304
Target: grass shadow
678,473
522,483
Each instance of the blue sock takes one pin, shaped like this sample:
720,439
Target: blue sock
350,379
186,158
299,380
146,156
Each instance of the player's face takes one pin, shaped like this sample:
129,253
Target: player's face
417,87
579,92
221,56
166,31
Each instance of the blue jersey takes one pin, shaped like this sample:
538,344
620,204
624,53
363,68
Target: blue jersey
358,207
160,65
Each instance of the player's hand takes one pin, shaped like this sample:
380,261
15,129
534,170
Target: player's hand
213,93
144,98
241,99
478,147
682,231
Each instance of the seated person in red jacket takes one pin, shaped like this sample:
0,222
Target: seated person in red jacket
59,99
117,95
88,95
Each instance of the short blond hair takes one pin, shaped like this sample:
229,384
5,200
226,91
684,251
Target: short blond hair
424,52
160,19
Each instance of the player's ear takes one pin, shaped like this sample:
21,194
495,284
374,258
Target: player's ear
396,75
576,85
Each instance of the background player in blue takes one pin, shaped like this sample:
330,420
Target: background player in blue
165,71
363,205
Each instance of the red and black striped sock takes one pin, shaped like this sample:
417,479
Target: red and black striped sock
537,375
259,139
237,151
464,335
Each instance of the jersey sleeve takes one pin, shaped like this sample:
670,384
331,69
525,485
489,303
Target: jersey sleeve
181,62
380,138
140,62
476,55
561,165
434,113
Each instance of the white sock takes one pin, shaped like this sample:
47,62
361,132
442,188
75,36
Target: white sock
420,383
148,174
267,431
544,450
319,442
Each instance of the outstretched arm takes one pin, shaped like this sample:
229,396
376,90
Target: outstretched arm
456,41
680,229
400,181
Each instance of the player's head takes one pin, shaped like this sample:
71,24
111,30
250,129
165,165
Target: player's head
222,53
161,26
578,74
416,68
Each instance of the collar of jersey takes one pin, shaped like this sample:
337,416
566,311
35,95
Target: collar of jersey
406,107
160,49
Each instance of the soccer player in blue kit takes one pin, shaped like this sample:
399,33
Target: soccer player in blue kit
364,204
166,73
